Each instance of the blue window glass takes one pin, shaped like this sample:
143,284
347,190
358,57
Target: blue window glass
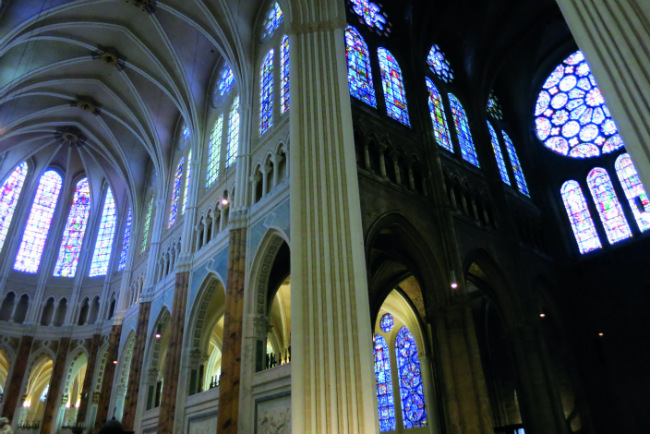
634,191
226,80
9,195
188,177
233,133
501,163
273,20
214,152
439,64
284,79
516,165
393,85
467,149
266,93
438,117
104,243
386,323
370,14
75,229
493,107
580,217
411,389
359,72
608,206
126,240
176,192
145,227
384,386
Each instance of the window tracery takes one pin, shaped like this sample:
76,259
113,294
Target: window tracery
9,195
188,176
515,164
582,224
359,71
501,163
75,228
439,64
273,20
608,206
438,117
371,14
393,86
410,380
214,151
266,93
176,192
104,243
463,133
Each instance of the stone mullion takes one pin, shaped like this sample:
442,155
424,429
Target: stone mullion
12,392
109,372
135,370
87,388
332,365
228,413
58,371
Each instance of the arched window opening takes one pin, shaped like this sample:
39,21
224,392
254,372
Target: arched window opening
126,240
36,392
212,370
61,309
233,133
75,228
111,309
9,195
21,310
94,311
493,107
438,117
384,382
176,192
372,15
501,163
38,223
582,224
411,388
634,191
48,312
463,133
214,152
516,165
284,76
266,93
188,176
273,20
73,389
393,85
145,226
226,81
7,307
608,206
439,64
359,71
104,243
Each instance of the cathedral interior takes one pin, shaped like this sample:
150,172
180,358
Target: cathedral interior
320,217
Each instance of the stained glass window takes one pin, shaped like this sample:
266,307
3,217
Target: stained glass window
188,177
126,240
634,191
516,165
384,386
411,389
145,229
284,68
176,192
359,72
439,64
38,223
609,208
9,195
73,234
266,93
214,152
571,116
438,117
493,107
501,163
369,13
233,133
226,80
104,243
580,217
391,80
462,130
386,323
273,20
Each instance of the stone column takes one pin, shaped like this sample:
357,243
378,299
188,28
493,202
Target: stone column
107,382
12,392
87,388
176,327
228,413
58,372
615,36
133,388
332,363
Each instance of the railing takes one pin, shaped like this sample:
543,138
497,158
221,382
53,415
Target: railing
272,360
29,426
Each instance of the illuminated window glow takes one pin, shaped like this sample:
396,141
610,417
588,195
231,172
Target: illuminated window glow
467,149
411,389
609,208
516,165
188,177
493,107
104,243
386,323
75,228
369,13
273,20
386,405
266,93
226,80
391,80
284,78
214,152
126,240
176,192
9,195
501,163
439,64
580,217
634,191
438,117
233,133
145,228
359,72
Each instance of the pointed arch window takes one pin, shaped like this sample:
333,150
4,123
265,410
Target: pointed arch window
634,191
438,117
273,20
104,243
176,192
266,93
9,195
188,176
384,385
516,165
359,72
609,208
461,123
439,64
75,228
501,162
233,133
38,223
126,240
393,85
582,224
145,227
214,151
411,388
226,80
284,68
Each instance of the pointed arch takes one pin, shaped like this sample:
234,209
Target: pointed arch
608,206
580,219
359,71
463,133
104,243
634,191
438,117
75,229
393,84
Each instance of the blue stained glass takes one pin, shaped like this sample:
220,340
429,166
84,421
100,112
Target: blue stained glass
266,93
580,217
126,240
370,13
38,223
176,192
386,405
572,118
226,80
284,68
467,149
145,227
608,206
273,20
104,243
214,152
438,117
634,191
233,133
9,195
359,72
516,165
386,323
493,107
501,163
188,177
75,228
439,64
411,389
391,80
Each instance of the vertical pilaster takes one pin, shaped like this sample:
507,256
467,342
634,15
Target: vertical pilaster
228,413
332,364
87,388
12,392
109,373
174,352
133,388
55,386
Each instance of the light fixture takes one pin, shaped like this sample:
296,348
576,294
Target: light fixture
601,334
158,332
454,283
542,315
115,362
224,200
